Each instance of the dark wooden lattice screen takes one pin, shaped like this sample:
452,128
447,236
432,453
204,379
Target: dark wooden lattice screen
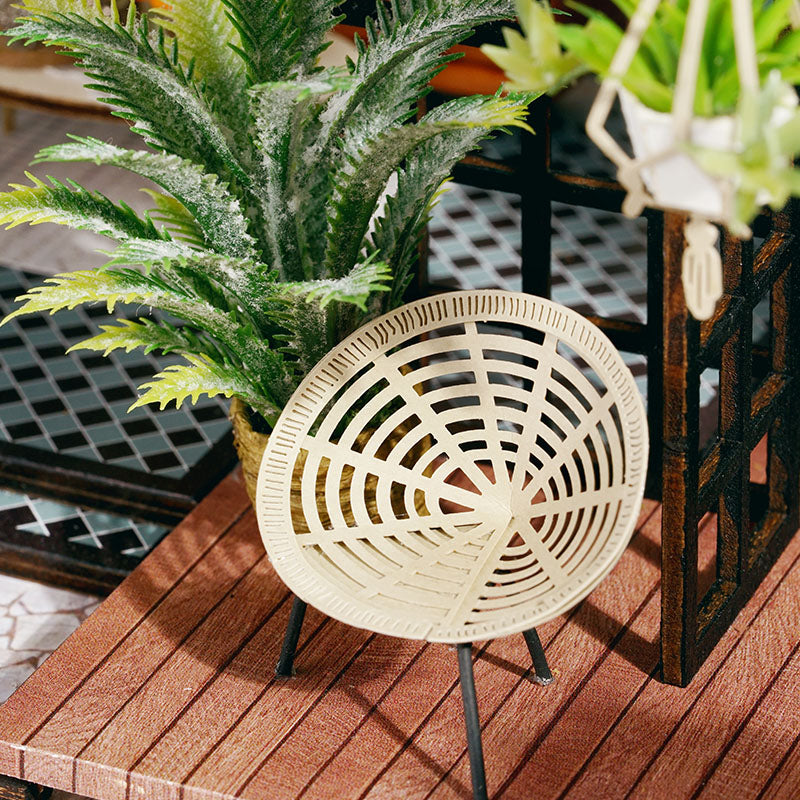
758,395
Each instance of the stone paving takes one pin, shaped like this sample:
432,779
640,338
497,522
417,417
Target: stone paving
34,620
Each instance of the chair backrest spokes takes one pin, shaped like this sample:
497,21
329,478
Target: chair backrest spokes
467,466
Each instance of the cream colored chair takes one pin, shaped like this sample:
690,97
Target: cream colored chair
465,467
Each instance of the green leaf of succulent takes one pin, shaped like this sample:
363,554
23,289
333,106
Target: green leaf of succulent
203,376
761,168
217,211
72,205
535,61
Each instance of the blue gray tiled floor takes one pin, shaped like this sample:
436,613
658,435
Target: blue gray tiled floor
77,404
95,529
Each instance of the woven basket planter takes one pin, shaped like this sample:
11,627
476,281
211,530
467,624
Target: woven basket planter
250,446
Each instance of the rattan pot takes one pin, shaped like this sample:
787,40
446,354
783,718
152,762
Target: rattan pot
249,444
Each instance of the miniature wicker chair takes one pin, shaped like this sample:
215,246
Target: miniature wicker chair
465,467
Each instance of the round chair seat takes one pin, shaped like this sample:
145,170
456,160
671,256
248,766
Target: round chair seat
467,466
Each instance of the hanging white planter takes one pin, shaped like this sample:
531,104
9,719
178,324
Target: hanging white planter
661,173
676,181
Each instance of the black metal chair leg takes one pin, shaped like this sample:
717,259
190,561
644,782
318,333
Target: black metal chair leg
542,672
285,668
473,723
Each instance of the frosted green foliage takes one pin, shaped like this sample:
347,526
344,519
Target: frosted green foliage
86,8
149,335
207,38
355,288
143,78
268,37
70,289
362,178
71,204
202,376
176,218
273,241
217,212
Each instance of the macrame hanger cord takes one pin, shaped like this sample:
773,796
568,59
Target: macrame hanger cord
637,197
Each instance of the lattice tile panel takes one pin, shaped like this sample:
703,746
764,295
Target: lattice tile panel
599,264
81,527
77,405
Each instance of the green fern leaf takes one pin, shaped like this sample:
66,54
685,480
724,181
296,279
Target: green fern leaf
70,289
268,38
399,230
312,19
83,8
176,219
356,287
362,180
216,210
144,81
209,43
74,206
202,376
285,114
404,50
149,335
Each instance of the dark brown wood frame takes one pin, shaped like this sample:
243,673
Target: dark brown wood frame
754,522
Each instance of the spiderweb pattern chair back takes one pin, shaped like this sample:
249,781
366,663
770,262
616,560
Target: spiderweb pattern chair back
464,467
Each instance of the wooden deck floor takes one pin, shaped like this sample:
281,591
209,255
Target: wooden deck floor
168,692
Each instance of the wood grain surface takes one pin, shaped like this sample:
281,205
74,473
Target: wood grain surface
168,692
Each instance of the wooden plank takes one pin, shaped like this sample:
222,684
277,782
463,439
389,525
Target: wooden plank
723,704
643,728
427,765
94,702
388,711
264,725
585,722
339,716
147,587
214,710
178,681
783,784
767,737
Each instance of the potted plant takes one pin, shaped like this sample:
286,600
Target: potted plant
274,235
741,144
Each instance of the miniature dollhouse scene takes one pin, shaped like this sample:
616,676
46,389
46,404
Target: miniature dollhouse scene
398,400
